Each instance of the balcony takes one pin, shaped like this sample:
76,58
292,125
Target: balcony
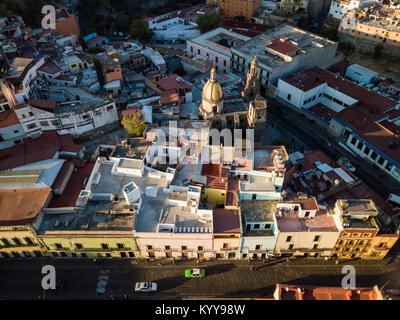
230,249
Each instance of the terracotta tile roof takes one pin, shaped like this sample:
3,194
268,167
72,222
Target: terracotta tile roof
38,149
282,46
171,83
323,111
316,76
300,292
169,96
8,118
68,26
130,112
49,67
211,169
19,207
216,183
48,105
76,183
226,221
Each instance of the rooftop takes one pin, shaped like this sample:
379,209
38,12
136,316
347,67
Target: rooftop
220,40
289,221
18,207
97,216
305,42
258,210
226,221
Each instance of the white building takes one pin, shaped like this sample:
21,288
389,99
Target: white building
43,115
282,51
340,7
216,45
11,130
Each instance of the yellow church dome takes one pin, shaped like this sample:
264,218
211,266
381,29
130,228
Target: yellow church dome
212,91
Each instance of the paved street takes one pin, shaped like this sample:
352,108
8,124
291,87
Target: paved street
317,137
22,279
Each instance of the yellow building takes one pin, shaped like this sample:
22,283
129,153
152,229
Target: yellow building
18,217
102,229
234,8
380,246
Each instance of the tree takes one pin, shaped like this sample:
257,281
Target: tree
140,30
209,21
122,23
134,125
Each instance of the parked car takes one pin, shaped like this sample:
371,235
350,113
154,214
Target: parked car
146,286
195,273
347,164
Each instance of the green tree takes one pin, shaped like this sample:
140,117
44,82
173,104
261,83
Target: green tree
139,29
209,21
122,23
134,125
3,10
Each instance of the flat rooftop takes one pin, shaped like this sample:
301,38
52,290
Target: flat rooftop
357,207
97,216
305,41
220,40
290,222
258,210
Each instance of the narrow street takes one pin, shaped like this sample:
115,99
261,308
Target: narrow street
225,279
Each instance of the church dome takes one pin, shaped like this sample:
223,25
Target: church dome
212,91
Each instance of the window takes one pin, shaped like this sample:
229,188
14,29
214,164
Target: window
184,248
123,254
17,241
167,247
307,214
267,226
199,248
317,238
55,122
31,126
258,247
83,255
198,51
291,246
256,226
289,96
362,242
353,141
340,242
31,114
120,246
5,242
373,155
104,246
44,123
225,245
216,59
55,254
289,238
367,150
191,49
381,161
254,196
360,145
355,235
58,245
366,234
16,131
131,254
315,246
78,246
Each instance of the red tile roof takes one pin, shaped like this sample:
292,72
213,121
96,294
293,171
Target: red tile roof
19,207
76,183
49,67
300,292
130,112
48,105
211,169
226,221
316,76
323,111
8,118
171,83
282,46
37,149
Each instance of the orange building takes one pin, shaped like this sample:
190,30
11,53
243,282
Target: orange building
234,8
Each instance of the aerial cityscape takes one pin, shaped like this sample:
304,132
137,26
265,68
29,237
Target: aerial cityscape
200,150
